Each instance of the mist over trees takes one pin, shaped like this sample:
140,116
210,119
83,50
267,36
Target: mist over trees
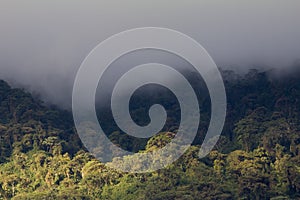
257,156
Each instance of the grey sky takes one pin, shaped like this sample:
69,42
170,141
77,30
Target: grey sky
43,42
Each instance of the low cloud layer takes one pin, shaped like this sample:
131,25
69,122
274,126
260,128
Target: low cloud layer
42,43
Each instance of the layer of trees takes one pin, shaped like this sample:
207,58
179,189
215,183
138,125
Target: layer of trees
257,156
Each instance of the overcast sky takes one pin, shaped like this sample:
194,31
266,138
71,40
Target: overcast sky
43,42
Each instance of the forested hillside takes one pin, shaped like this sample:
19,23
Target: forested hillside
257,156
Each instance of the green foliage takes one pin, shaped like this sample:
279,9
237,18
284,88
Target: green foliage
257,157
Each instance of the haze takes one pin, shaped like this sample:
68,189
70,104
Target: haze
42,43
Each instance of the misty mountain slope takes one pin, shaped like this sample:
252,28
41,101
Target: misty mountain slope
257,156
26,122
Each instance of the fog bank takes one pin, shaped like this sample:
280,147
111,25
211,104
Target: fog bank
42,43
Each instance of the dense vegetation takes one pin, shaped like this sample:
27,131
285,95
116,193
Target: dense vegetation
257,157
